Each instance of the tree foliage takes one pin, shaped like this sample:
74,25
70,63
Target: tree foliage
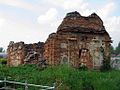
117,50
1,49
112,49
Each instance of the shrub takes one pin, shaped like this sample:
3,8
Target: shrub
83,67
3,61
105,65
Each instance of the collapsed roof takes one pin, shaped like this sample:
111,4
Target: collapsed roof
74,22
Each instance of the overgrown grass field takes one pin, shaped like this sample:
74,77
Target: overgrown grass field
71,79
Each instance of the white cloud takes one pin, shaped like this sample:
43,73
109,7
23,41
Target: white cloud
48,22
111,22
112,25
72,4
48,17
68,4
17,3
106,10
2,21
55,24
16,31
87,12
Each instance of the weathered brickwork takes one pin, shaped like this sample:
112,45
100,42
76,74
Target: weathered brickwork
20,53
78,41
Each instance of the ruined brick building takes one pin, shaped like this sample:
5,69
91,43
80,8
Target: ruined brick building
79,40
21,53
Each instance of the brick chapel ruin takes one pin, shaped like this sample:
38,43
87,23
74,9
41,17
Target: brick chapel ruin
79,40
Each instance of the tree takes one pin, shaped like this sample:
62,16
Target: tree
112,49
117,50
1,49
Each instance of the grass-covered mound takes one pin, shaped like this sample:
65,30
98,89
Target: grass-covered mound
71,79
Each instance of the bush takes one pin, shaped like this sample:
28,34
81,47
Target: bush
83,67
105,65
3,61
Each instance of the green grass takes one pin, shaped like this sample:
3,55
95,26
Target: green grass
71,79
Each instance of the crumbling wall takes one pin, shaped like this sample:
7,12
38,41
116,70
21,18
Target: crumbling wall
15,53
78,41
34,53
21,53
52,49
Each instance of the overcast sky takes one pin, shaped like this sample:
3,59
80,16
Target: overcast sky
33,20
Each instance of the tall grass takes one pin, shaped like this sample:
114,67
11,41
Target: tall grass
71,79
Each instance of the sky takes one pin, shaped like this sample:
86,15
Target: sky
32,21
